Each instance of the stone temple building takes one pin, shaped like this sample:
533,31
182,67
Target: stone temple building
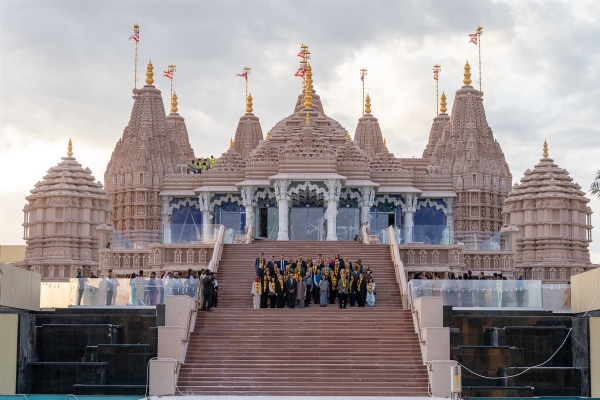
553,223
308,178
66,221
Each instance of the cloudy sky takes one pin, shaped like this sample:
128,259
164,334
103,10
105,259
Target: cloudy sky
67,72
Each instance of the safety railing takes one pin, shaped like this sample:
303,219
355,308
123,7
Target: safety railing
398,267
218,250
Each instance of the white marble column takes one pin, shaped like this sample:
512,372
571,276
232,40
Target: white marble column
249,203
166,219
450,218
407,219
204,200
283,197
365,203
334,188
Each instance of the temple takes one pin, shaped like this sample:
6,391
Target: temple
308,179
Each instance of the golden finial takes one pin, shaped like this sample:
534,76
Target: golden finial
546,155
307,119
384,144
443,104
70,149
174,103
230,142
249,104
347,136
308,90
149,73
368,104
467,74
268,135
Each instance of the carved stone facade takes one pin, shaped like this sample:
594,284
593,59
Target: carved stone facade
134,175
466,150
554,224
66,220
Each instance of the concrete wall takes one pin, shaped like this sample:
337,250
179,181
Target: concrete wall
19,288
12,253
9,332
584,291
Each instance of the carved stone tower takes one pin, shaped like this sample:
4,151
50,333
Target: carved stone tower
134,175
179,130
248,132
469,153
553,221
368,133
65,220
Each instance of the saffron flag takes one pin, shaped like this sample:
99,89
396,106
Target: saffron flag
301,71
362,77
244,75
168,73
435,75
473,37
135,37
301,54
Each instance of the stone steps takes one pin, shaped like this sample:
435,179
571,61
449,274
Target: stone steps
237,350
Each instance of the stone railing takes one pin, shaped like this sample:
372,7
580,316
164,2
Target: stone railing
244,238
367,238
489,262
123,261
419,257
180,256
218,250
398,268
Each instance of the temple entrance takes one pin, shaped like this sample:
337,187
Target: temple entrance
348,223
307,223
267,223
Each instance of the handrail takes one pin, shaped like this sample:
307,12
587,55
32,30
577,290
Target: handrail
398,267
218,250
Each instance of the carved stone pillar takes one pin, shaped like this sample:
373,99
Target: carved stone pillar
365,203
283,197
249,203
409,209
166,219
205,203
334,188
450,219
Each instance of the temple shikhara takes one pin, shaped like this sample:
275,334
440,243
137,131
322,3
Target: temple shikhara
308,178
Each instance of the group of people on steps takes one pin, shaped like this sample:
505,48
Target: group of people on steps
288,282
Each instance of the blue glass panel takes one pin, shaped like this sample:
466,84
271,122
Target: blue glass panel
429,225
186,224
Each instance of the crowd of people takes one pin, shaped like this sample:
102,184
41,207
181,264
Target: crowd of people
288,282
150,291
201,164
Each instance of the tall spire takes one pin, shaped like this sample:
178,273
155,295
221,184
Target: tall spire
249,104
308,89
70,149
149,73
467,74
174,103
443,104
368,104
545,154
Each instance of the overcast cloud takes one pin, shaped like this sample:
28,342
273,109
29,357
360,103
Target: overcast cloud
67,72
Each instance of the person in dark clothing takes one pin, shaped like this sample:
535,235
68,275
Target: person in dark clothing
81,281
207,290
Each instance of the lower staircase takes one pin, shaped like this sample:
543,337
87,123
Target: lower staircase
236,349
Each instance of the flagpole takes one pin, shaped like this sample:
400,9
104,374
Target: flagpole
136,31
363,73
479,31
436,69
171,68
246,71
303,63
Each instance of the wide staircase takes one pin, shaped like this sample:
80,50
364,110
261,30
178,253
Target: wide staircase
236,349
